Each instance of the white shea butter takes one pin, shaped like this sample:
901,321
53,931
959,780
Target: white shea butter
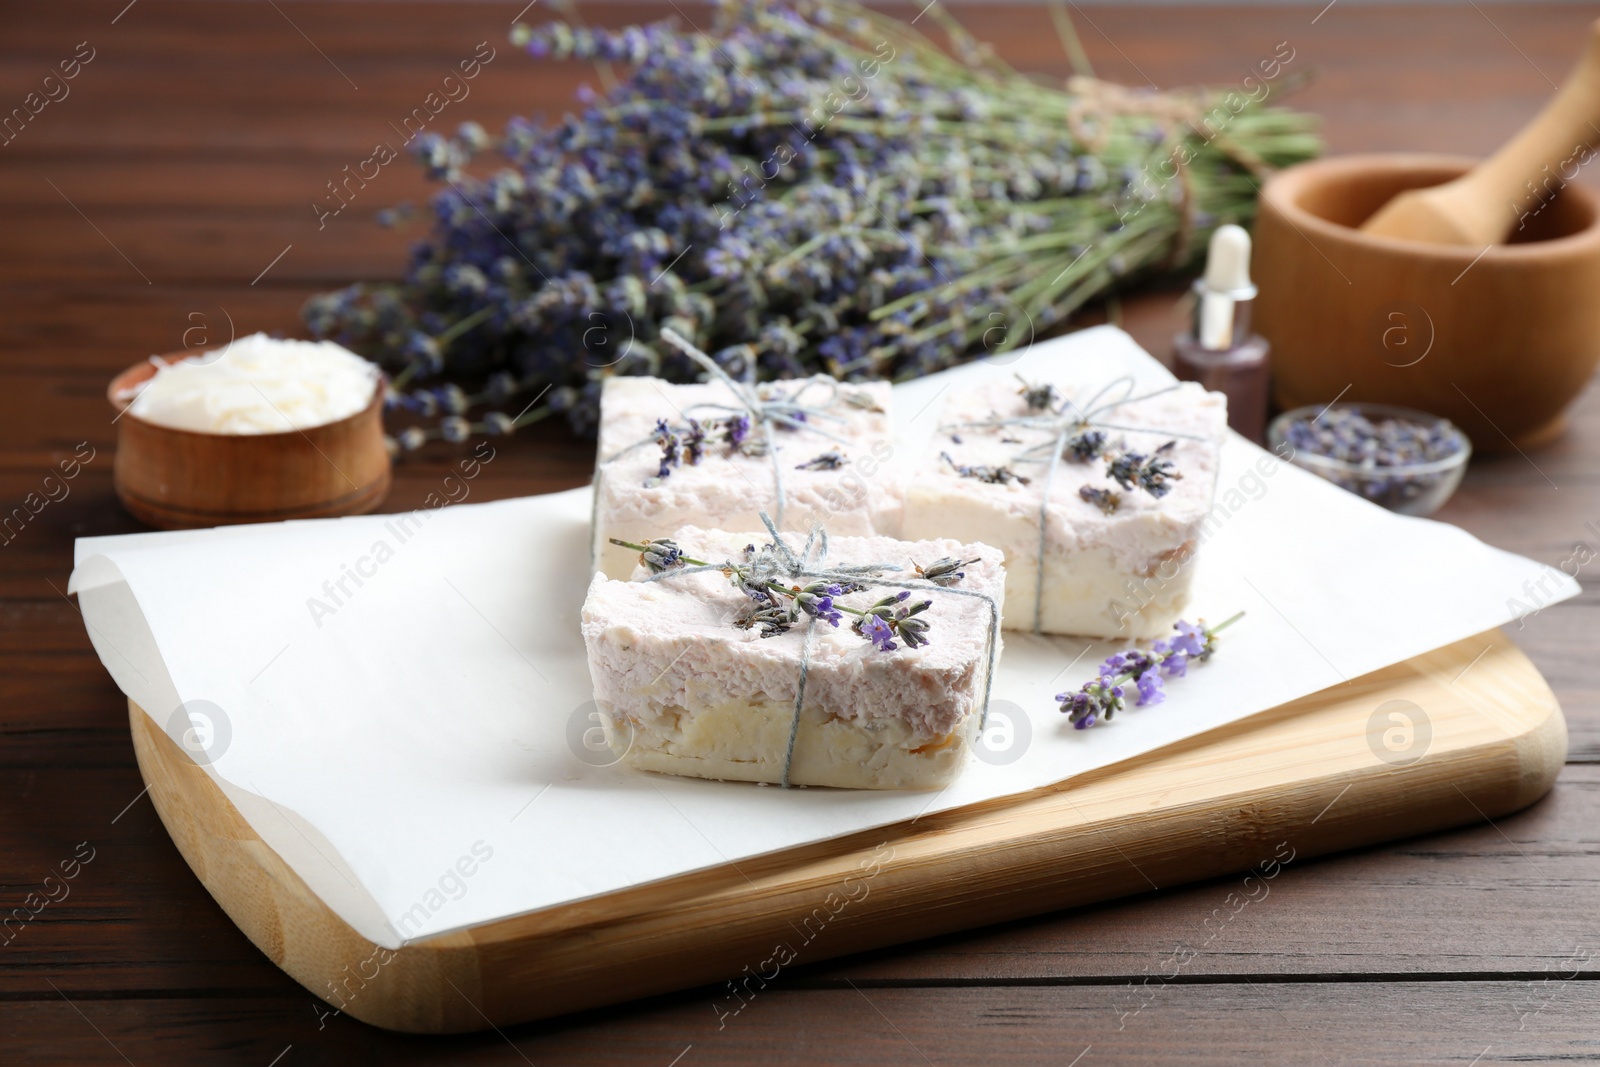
258,384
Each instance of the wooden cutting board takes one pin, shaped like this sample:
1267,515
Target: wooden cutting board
1461,734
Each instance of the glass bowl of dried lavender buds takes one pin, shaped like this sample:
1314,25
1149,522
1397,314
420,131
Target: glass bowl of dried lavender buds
1407,461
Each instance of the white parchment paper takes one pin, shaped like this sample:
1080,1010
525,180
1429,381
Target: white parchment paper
413,748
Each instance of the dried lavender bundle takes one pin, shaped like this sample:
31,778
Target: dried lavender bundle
810,187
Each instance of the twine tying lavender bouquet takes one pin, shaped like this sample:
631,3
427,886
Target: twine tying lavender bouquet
770,577
809,187
1078,430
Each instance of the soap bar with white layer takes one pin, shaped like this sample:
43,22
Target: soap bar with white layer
836,465
1118,561
684,690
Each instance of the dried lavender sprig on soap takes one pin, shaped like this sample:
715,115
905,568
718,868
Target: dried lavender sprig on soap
775,607
950,206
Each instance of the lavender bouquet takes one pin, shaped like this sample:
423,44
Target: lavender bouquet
807,187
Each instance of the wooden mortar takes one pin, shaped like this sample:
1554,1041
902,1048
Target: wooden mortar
181,479
1497,339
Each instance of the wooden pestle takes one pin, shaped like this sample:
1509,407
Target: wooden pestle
1484,206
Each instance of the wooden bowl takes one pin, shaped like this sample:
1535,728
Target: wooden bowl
181,479
1498,340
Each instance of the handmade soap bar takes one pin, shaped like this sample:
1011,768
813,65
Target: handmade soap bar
1119,520
676,455
694,675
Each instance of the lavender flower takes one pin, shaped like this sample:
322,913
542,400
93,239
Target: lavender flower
944,571
661,554
694,443
830,460
1107,500
680,196
1154,474
1086,445
1037,397
769,616
816,600
1377,449
890,616
774,607
671,449
860,398
1100,699
875,629
985,473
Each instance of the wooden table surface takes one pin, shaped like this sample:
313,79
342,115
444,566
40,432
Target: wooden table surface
170,191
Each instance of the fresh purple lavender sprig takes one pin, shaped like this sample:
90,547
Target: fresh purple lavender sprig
1098,700
774,607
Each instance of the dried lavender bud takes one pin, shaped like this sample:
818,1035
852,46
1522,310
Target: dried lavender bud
671,449
860,398
660,554
499,424
455,429
985,473
694,443
830,460
738,429
771,617
1107,500
944,571
411,438
1349,436
1378,450
1037,397
1154,474
1087,445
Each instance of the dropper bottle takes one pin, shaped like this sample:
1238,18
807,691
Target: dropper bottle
1220,352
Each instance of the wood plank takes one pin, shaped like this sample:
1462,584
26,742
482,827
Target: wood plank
1413,1024
143,922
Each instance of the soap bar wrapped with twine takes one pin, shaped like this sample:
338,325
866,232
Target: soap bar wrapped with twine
803,450
788,588
1130,447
